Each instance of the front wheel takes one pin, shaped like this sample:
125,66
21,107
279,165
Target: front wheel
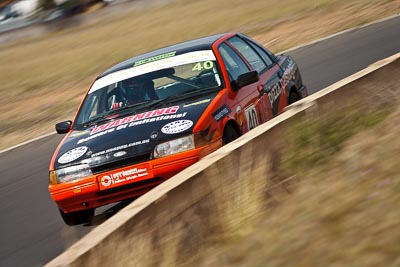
77,217
230,134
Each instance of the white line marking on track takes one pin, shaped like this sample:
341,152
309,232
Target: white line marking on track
27,142
339,33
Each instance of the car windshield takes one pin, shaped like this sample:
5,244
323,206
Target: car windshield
148,84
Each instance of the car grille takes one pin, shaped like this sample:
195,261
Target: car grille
120,163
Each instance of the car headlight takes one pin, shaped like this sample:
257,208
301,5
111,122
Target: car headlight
69,174
174,146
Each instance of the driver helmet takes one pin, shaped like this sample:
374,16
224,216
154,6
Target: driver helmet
134,88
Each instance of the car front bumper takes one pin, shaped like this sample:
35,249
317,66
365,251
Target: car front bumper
123,183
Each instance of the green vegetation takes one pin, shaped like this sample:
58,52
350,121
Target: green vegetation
315,142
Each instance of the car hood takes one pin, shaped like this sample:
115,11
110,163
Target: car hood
130,138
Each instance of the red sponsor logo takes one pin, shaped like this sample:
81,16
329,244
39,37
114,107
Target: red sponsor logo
136,117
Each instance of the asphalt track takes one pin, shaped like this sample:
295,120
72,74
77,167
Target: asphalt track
31,230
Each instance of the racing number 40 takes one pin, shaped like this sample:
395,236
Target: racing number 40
203,65
251,117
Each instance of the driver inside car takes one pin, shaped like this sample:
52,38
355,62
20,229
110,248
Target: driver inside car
135,90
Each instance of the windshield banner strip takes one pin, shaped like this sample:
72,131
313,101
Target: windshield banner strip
192,57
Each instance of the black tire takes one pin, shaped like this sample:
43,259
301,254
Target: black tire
230,134
77,217
293,97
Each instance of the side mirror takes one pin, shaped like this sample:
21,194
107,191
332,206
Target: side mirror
63,127
245,79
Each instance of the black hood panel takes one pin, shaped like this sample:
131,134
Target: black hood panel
134,135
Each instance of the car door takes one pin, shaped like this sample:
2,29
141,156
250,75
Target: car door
246,113
272,94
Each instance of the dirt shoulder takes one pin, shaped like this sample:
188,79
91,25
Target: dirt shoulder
45,78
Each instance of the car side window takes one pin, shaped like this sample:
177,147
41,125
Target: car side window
248,53
234,64
263,53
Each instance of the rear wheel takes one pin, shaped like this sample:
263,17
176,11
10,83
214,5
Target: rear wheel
77,217
230,134
293,97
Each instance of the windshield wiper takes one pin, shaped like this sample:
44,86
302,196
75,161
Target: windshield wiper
109,115
119,110
203,90
162,101
178,97
96,121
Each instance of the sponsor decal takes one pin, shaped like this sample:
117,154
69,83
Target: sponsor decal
152,64
121,147
106,180
119,154
221,112
154,135
73,154
95,135
274,92
151,59
289,74
197,103
136,117
176,126
161,118
132,124
251,117
123,176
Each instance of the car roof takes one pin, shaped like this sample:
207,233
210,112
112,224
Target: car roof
204,43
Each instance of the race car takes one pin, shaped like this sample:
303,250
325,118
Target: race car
147,118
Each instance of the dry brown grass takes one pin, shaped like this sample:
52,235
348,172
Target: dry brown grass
43,79
344,212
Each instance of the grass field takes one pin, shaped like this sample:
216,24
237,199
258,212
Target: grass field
43,79
342,210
